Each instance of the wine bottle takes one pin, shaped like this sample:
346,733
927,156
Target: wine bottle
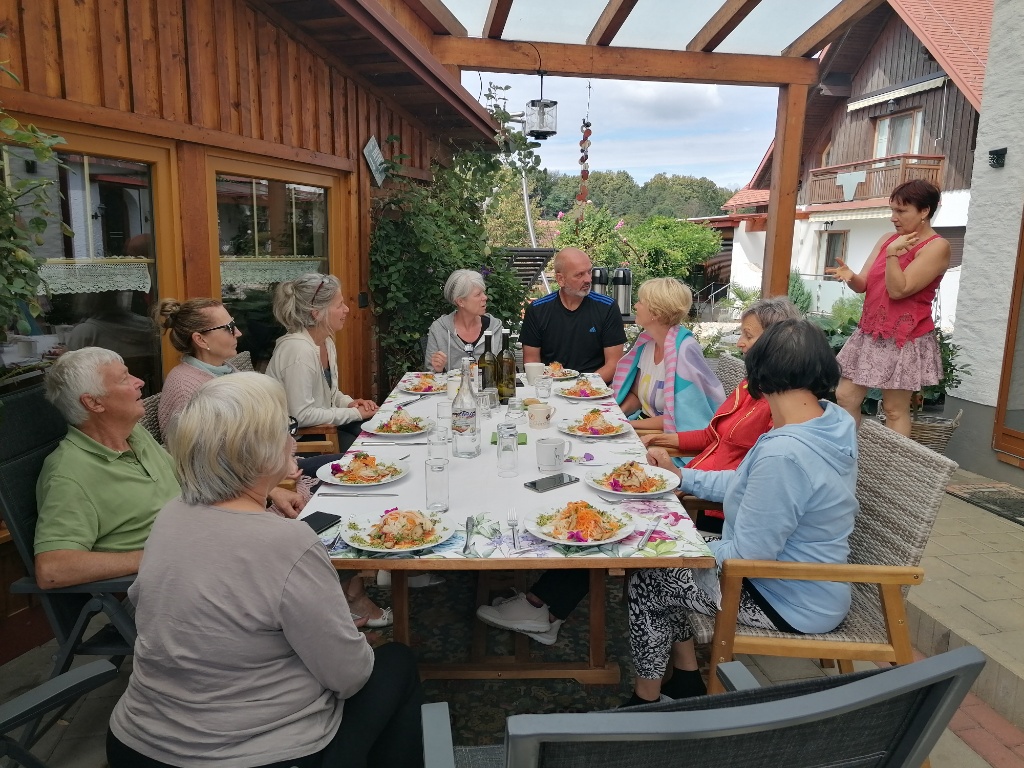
506,370
488,363
465,425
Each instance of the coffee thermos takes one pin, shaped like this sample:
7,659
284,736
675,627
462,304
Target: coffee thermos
599,280
622,290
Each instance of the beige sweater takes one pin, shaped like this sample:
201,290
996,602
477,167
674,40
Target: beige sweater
296,364
246,648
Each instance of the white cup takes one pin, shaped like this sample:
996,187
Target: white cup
453,386
27,347
551,453
540,415
533,370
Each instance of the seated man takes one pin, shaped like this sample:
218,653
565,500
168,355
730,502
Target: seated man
572,326
99,491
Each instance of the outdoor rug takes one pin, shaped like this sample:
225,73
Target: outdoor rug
1002,499
441,626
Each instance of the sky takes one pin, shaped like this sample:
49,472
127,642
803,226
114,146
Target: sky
721,132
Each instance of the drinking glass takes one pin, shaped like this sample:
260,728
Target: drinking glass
444,419
508,450
483,403
437,484
516,409
543,387
437,446
492,394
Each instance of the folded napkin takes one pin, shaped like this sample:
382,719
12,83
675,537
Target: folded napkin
494,438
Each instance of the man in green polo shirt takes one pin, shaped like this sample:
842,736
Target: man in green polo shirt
99,491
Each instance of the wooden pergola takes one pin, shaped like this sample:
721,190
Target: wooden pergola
794,71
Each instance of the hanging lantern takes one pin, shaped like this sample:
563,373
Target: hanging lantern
540,120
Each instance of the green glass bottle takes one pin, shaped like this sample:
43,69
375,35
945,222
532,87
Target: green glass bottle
506,372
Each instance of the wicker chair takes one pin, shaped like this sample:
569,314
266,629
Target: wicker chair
900,485
242,362
150,420
730,370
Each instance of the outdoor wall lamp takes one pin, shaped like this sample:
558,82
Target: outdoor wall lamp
540,120
997,157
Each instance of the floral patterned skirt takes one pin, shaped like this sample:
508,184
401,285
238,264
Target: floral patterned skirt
872,362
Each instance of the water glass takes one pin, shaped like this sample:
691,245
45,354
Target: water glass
444,419
508,450
543,387
437,485
483,404
492,394
516,409
437,446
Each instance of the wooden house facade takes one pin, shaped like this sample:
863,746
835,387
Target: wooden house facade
213,148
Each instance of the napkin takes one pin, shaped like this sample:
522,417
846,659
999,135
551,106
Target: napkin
494,438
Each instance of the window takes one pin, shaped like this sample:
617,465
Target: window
268,231
834,248
955,236
898,134
102,281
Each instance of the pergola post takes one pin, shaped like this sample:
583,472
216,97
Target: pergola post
778,246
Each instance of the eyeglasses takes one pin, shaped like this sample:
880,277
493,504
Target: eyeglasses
324,280
229,327
293,426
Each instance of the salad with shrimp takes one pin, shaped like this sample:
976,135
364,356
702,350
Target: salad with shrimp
579,521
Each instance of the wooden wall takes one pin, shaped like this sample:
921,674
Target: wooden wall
948,129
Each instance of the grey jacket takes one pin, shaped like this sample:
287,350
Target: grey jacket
443,338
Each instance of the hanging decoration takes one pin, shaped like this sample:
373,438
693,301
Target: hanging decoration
584,192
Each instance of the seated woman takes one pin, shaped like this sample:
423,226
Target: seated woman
461,334
312,308
791,499
243,658
739,421
664,377
205,333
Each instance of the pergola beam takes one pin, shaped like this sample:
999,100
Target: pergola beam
497,16
830,26
618,63
721,25
611,21
436,15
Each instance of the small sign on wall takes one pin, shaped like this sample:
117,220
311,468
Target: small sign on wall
375,159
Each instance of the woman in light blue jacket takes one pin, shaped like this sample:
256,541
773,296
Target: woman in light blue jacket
791,499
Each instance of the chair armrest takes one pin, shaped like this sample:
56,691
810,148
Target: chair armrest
28,586
848,572
736,677
438,749
695,503
53,693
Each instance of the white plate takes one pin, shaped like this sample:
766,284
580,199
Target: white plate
530,523
325,474
428,424
440,383
567,373
667,475
360,527
564,426
606,392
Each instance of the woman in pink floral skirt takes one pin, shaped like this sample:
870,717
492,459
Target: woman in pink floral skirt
894,348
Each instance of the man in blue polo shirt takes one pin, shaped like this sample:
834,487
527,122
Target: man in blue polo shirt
579,329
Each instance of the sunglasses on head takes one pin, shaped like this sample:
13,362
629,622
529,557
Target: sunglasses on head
229,327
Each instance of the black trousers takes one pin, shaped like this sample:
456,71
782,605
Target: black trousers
562,590
381,727
347,434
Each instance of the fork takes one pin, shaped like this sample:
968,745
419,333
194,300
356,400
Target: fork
513,523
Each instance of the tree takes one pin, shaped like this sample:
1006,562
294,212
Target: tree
679,196
504,218
665,247
595,231
556,192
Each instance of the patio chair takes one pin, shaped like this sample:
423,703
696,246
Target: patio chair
30,429
900,485
242,361
151,419
53,694
881,717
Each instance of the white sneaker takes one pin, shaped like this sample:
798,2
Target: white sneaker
550,637
517,614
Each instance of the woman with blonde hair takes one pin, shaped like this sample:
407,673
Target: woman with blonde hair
243,658
312,309
664,378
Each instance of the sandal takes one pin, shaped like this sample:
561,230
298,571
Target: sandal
387,618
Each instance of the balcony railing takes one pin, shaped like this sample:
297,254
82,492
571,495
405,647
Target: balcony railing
880,176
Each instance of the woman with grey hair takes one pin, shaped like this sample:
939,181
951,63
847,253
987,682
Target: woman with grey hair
312,308
739,421
244,658
461,333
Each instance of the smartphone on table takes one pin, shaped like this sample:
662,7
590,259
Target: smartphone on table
550,482
321,521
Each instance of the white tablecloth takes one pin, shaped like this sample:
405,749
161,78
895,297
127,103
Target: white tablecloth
476,490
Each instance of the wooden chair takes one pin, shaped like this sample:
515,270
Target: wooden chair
880,717
900,485
325,439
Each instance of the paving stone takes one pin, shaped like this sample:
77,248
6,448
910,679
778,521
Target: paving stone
989,587
780,669
951,752
1014,561
994,723
953,525
1002,542
937,567
943,593
90,752
960,544
979,565
1004,615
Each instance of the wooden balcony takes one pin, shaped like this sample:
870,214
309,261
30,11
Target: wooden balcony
880,176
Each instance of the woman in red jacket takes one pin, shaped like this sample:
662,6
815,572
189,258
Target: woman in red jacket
740,420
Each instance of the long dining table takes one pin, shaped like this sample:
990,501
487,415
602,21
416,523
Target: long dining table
477,492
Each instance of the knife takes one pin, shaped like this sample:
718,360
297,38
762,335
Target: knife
469,534
367,443
647,536
328,493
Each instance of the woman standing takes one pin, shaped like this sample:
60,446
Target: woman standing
312,308
243,658
665,377
894,348
791,499
205,333
461,333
